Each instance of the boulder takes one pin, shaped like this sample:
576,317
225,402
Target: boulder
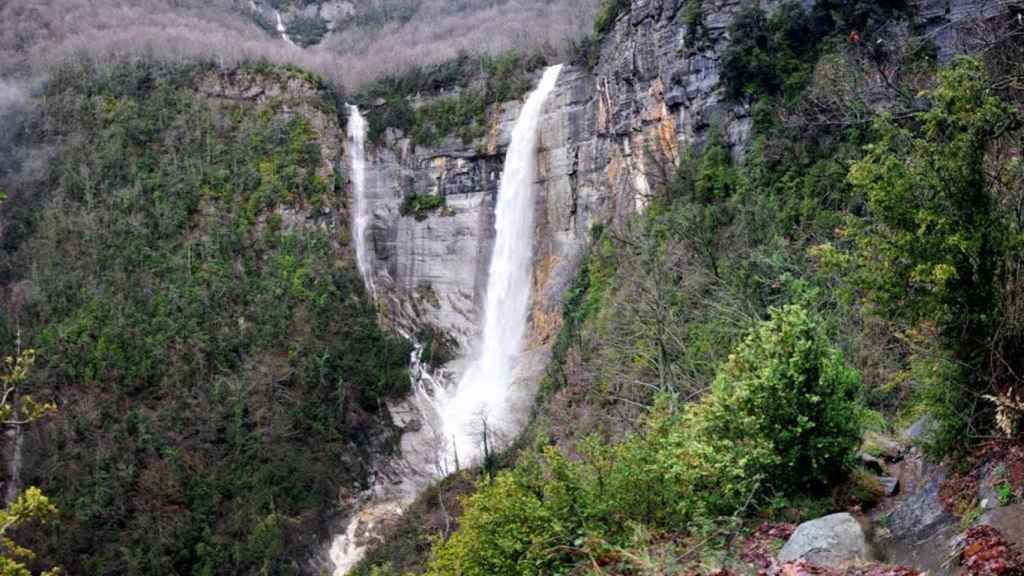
882,446
890,485
836,540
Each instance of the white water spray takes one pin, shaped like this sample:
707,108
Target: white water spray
281,29
453,416
481,398
361,213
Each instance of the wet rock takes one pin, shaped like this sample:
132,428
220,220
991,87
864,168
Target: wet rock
919,532
920,513
882,446
871,463
890,485
835,540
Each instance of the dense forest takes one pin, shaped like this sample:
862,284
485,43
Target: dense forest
200,381
180,267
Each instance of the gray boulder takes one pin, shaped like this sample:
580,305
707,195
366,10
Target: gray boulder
835,541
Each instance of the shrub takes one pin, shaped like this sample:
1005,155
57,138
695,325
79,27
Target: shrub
787,385
420,206
608,14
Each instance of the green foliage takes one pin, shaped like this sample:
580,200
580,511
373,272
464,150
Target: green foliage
934,242
607,14
16,411
800,397
692,14
933,251
306,31
223,373
774,55
460,92
769,55
420,207
31,506
782,416
1004,492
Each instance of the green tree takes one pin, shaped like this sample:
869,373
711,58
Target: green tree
933,247
31,505
787,385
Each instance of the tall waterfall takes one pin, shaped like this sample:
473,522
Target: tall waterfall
361,213
455,415
479,402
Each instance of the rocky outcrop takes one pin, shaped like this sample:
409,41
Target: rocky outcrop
610,139
835,540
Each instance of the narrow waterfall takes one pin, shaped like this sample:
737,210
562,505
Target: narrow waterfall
281,29
479,404
360,210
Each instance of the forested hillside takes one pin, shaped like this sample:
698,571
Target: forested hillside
181,266
361,42
733,354
776,292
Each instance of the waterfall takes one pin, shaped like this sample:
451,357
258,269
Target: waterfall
453,415
281,29
361,213
479,403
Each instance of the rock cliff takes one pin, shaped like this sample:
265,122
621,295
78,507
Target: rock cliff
610,138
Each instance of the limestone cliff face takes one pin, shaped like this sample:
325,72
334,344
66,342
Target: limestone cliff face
610,137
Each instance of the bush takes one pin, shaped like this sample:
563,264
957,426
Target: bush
608,14
783,415
787,385
420,206
307,31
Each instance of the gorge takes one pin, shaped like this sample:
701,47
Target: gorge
380,289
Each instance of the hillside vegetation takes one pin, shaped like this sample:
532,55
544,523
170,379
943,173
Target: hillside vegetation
380,38
723,352
180,266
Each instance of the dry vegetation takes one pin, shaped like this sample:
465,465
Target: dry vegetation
386,36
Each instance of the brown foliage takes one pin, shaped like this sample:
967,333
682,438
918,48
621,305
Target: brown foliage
987,553
37,35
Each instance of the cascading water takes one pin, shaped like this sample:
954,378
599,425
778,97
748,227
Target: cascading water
480,401
360,211
281,29
454,416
